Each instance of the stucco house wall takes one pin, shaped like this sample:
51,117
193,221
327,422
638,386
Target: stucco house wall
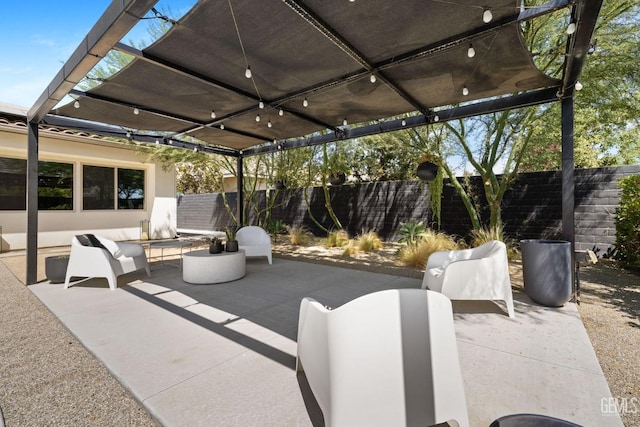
56,228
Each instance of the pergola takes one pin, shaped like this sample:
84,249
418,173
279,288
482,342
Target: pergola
241,77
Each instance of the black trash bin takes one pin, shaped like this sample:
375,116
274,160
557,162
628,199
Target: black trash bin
546,266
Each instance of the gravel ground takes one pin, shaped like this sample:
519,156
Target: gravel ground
49,378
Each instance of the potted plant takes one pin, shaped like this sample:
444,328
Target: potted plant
428,168
336,167
232,243
216,246
55,268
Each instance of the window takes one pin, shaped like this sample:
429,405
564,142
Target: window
99,188
55,185
130,189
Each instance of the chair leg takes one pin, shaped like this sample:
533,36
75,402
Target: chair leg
113,282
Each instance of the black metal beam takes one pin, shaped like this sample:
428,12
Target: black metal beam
584,15
527,99
97,129
32,203
114,24
568,180
240,220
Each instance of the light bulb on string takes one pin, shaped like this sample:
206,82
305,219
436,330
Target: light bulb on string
344,122
281,112
213,114
465,91
471,52
257,117
221,126
436,118
305,103
372,78
579,85
269,124
261,105
136,111
157,142
76,104
404,122
247,72
487,16
571,28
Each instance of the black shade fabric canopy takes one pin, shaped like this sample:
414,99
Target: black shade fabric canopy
353,62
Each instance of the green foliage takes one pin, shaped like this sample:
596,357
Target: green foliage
276,227
337,239
628,223
230,232
411,232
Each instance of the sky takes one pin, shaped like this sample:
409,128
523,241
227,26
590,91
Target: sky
38,36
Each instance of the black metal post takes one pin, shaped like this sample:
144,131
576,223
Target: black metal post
240,193
32,203
568,181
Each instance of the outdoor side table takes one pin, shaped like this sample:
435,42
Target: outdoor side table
170,244
201,268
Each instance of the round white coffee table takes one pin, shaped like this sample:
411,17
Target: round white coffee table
201,267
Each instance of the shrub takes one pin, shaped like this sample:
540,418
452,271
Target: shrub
368,242
411,232
349,249
299,235
484,235
628,223
416,255
337,239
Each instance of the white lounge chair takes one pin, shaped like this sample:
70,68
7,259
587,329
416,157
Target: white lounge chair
389,358
93,256
254,241
480,273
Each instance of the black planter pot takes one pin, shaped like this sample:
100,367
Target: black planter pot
338,178
55,268
427,171
215,248
232,246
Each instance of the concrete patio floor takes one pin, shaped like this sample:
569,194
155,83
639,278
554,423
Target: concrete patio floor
224,355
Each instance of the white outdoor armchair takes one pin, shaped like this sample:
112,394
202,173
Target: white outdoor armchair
93,256
254,241
480,273
389,358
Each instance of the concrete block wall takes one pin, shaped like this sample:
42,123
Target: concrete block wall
531,209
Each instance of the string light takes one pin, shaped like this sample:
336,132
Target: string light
269,124
157,142
261,105
221,126
257,117
213,114
247,72
571,28
436,118
128,134
465,91
76,104
281,112
136,111
372,78
344,122
579,85
487,16
305,103
471,52
404,122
